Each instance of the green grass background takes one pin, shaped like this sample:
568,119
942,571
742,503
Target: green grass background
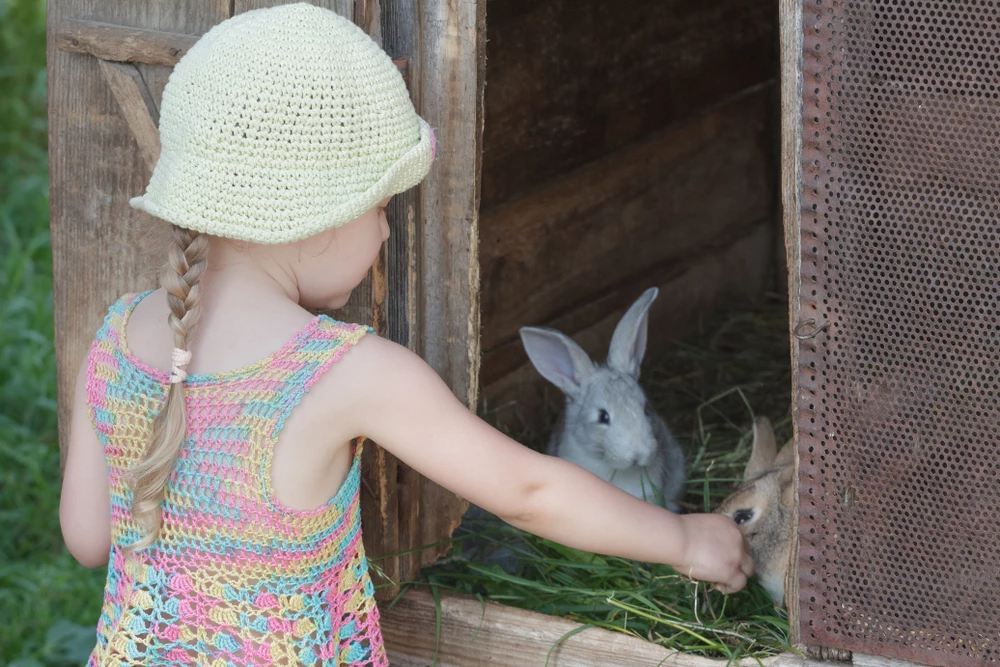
48,603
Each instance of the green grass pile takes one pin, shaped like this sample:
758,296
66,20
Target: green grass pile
709,388
48,603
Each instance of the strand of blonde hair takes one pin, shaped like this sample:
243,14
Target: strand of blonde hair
186,262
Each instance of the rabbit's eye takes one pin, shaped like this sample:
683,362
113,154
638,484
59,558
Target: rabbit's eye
603,417
742,516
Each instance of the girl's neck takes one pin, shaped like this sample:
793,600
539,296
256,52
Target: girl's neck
244,276
248,309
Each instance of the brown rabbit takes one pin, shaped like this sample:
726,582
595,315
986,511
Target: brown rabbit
762,508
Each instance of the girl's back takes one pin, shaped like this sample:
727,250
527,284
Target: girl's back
230,554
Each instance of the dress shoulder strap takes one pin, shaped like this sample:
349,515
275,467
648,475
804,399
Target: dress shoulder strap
108,381
325,344
117,315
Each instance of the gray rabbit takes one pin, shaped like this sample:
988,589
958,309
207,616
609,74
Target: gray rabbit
608,426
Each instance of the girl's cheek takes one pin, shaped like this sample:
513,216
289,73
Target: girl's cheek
384,226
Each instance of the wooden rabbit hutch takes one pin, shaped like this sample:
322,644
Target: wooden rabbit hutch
625,147
618,146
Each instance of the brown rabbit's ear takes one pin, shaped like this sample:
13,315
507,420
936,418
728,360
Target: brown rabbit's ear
788,486
786,455
764,449
786,458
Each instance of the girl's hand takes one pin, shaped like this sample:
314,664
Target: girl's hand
716,552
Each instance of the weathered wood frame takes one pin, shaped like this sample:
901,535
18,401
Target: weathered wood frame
790,30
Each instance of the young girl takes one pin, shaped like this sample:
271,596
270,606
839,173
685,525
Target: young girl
218,425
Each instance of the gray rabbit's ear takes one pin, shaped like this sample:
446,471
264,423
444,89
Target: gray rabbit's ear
628,344
558,358
764,449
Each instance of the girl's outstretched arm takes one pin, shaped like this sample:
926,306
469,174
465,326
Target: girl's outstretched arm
401,403
85,503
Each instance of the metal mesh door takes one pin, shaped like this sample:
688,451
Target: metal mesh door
899,411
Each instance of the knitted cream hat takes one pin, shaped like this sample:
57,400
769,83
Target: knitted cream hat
282,123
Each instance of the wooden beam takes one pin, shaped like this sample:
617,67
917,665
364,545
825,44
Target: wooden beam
650,208
395,24
121,43
137,106
367,16
573,80
342,7
450,77
475,633
790,12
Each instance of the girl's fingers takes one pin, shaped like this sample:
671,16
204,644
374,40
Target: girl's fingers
737,583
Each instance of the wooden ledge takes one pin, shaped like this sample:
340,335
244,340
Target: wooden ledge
474,633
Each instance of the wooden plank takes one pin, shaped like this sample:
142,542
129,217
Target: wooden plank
342,7
862,660
795,660
648,208
137,106
729,274
94,167
368,15
450,79
572,80
394,24
122,43
791,207
475,633
380,469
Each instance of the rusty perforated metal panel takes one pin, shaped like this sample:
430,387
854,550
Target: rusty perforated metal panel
899,414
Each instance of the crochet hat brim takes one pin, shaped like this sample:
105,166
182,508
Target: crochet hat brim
405,173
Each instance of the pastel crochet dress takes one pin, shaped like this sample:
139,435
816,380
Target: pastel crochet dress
235,578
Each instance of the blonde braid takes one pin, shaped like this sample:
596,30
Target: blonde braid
186,262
